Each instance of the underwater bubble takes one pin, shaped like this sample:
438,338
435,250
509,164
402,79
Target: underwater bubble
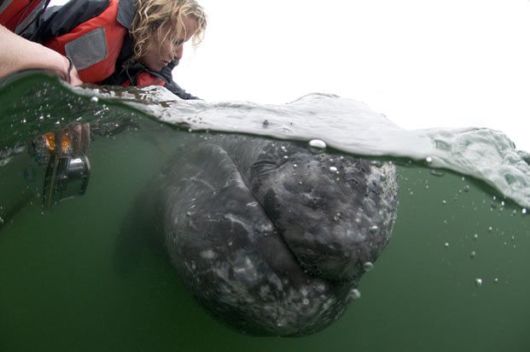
475,236
444,201
446,244
473,254
368,266
478,282
523,211
305,302
317,143
496,280
490,228
333,169
428,160
437,173
94,99
374,228
355,294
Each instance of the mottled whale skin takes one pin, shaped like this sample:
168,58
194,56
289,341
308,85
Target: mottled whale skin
271,236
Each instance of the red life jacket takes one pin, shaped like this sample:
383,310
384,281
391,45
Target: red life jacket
94,45
145,79
16,15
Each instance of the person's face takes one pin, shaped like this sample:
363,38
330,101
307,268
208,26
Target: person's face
161,52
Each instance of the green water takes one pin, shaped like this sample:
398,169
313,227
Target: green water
70,280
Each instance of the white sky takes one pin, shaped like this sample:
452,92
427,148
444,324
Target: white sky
423,63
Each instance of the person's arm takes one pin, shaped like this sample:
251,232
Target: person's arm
17,53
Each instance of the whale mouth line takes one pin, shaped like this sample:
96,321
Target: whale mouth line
271,166
258,168
267,235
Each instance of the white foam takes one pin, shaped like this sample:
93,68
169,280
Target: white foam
351,126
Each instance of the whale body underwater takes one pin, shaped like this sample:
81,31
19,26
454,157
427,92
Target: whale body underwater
272,237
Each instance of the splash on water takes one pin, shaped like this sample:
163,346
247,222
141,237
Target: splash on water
350,126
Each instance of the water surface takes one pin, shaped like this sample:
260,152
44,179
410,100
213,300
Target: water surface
454,276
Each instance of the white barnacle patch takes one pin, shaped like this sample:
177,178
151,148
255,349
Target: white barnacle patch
264,291
208,254
327,305
275,280
355,294
245,269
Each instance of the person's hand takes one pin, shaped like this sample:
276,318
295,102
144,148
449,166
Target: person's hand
74,77
70,74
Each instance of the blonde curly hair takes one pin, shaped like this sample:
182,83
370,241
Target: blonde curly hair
165,18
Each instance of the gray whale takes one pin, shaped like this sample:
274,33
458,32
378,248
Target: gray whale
270,236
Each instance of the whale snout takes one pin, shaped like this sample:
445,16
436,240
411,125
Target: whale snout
272,238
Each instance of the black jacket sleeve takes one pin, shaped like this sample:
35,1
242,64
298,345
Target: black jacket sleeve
59,20
172,86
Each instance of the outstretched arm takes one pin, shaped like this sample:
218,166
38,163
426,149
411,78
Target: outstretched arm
17,53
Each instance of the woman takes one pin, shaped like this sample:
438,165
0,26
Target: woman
125,42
